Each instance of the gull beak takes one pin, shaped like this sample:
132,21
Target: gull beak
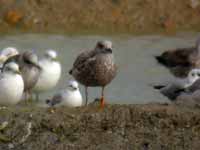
55,59
2,59
36,64
74,88
109,50
18,72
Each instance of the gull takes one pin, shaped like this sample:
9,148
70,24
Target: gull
179,85
70,96
11,85
180,61
95,67
50,73
6,53
30,69
191,94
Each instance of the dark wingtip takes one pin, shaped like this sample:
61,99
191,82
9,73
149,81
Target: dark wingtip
48,101
158,58
179,91
70,72
161,60
158,87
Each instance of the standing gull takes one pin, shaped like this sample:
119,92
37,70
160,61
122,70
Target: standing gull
50,73
11,85
179,85
70,96
30,69
181,61
95,67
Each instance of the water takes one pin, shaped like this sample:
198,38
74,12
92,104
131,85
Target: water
134,56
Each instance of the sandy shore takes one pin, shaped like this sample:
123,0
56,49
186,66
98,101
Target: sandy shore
119,127
100,16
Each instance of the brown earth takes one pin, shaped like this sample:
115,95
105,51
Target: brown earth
100,16
119,127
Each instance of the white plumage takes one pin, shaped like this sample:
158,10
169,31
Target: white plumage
11,85
70,96
193,75
6,53
50,73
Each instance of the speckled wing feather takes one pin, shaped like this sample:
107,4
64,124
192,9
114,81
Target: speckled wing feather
82,59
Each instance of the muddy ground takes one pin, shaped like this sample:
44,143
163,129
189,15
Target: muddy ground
119,127
100,16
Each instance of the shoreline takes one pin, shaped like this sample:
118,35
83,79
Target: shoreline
148,126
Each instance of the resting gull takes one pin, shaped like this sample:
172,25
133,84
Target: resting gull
50,73
70,96
11,85
95,67
181,61
30,69
179,85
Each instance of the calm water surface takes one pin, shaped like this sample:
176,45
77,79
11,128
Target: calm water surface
134,56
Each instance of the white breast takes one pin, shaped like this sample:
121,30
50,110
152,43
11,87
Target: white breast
49,77
11,89
71,98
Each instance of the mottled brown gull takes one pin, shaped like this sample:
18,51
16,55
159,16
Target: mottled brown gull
180,61
95,67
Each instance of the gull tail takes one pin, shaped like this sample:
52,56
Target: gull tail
160,60
158,87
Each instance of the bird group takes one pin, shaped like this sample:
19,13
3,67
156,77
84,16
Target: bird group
23,74
184,64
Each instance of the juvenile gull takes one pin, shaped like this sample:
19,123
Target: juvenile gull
30,69
70,96
50,73
181,61
179,85
11,85
95,67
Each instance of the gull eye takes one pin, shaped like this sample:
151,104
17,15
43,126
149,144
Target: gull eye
198,74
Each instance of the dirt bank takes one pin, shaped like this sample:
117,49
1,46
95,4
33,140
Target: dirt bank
119,127
100,16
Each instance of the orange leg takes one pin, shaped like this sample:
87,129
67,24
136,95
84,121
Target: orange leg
102,101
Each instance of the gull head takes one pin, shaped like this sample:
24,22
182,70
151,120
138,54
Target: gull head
104,46
12,67
8,52
73,85
194,75
31,58
51,55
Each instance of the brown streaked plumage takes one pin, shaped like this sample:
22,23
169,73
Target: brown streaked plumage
95,67
180,61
